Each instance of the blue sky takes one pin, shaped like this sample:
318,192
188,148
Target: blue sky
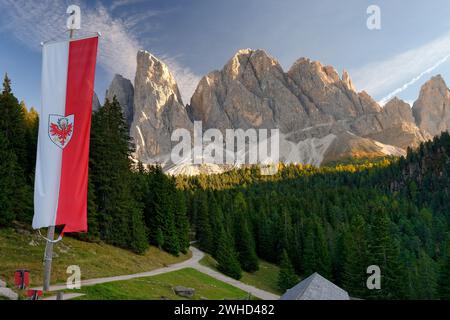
197,36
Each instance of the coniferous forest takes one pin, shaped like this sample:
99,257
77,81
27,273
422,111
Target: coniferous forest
335,220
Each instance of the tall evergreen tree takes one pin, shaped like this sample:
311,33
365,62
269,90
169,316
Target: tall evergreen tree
203,224
426,277
31,136
316,255
443,289
226,256
286,277
384,252
356,259
13,128
119,215
12,121
8,163
160,212
181,221
245,246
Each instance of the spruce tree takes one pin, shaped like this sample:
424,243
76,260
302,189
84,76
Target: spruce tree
119,215
226,256
443,289
160,212
181,221
384,252
8,163
286,276
245,246
31,136
316,256
12,121
426,281
13,128
203,224
6,85
355,258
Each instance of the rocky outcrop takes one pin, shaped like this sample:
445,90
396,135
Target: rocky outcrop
123,90
394,125
95,102
253,91
319,113
158,109
184,291
432,108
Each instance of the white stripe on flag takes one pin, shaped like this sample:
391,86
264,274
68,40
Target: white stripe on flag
48,163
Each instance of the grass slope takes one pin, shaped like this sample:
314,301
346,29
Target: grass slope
24,249
266,278
160,287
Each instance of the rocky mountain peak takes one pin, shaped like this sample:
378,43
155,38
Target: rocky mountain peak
158,109
347,80
436,83
319,74
399,109
95,102
249,61
152,72
432,108
331,94
123,90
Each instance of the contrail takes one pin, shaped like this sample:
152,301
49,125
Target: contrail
383,101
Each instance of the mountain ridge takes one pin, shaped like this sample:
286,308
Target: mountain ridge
320,115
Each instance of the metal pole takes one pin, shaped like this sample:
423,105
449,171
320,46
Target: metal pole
48,256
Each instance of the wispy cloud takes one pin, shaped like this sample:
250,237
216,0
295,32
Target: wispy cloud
413,80
33,22
394,75
123,3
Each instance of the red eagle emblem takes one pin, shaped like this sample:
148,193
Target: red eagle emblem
60,129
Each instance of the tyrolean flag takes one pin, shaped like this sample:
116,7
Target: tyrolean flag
60,195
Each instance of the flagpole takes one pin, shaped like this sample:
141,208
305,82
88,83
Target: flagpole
48,255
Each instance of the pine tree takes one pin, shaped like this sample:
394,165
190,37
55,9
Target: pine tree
316,257
6,85
426,277
31,136
159,211
203,224
13,128
244,241
286,276
384,252
8,163
265,239
355,259
226,256
443,289
181,221
12,121
119,215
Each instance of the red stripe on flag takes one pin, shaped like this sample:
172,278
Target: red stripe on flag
72,202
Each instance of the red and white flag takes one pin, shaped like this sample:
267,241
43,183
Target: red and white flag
60,191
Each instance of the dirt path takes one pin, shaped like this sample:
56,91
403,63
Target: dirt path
193,262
